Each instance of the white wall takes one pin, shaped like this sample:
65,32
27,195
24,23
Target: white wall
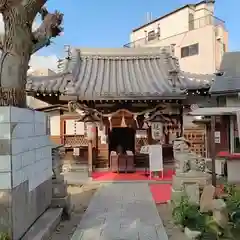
25,153
174,30
54,123
204,62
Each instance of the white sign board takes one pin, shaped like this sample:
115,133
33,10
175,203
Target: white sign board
155,158
217,137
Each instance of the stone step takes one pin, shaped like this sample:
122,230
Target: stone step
45,225
78,168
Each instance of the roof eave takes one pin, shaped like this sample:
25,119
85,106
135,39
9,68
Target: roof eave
224,92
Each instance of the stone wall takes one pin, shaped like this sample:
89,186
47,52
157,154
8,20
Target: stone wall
25,169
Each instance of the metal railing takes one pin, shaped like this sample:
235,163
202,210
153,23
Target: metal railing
193,25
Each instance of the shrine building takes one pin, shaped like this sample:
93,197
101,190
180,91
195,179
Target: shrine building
137,96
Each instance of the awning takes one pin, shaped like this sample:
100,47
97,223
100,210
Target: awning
215,111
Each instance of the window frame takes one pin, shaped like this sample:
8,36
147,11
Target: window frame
190,50
151,35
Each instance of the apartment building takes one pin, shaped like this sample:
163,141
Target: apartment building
41,72
33,102
197,37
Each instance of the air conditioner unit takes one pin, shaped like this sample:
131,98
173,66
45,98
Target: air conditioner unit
219,166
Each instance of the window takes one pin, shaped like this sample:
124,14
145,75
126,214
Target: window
190,50
190,22
151,35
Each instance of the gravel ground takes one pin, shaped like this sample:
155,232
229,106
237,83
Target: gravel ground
80,196
173,232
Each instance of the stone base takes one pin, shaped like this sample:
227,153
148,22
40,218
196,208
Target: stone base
65,203
176,196
200,178
59,190
21,207
59,179
25,165
45,225
62,202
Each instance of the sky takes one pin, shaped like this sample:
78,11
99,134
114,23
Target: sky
108,23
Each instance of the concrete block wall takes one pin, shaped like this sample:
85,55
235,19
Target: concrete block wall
25,168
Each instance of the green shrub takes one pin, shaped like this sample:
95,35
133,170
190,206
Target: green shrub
188,215
4,236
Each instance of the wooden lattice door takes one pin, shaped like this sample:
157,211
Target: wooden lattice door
197,138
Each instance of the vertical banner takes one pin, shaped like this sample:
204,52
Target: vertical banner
238,122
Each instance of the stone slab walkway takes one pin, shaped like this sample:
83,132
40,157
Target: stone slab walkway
121,211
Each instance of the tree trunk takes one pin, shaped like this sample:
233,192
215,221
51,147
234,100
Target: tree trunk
15,57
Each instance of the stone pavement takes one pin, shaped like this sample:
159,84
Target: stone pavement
121,211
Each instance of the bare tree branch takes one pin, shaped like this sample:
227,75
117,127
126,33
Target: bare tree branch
44,42
33,7
50,28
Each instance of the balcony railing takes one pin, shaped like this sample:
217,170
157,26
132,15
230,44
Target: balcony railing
195,24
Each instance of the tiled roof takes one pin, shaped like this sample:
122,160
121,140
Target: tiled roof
229,80
194,81
120,73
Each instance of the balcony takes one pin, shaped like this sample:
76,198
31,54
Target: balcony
192,25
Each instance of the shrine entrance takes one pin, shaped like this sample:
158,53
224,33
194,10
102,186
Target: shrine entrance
124,137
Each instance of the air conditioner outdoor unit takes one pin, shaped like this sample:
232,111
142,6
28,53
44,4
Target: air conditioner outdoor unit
219,166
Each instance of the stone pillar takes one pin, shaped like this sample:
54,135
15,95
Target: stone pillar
25,169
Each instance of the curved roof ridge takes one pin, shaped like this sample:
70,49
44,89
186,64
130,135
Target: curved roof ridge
123,52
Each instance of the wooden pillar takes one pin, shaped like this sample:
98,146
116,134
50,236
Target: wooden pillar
181,120
96,154
149,135
213,151
90,158
62,130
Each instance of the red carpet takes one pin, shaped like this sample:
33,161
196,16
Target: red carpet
161,192
137,176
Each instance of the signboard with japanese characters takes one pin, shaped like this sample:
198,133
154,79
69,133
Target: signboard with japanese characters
157,130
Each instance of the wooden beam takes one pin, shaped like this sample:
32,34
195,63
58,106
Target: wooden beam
68,98
213,150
